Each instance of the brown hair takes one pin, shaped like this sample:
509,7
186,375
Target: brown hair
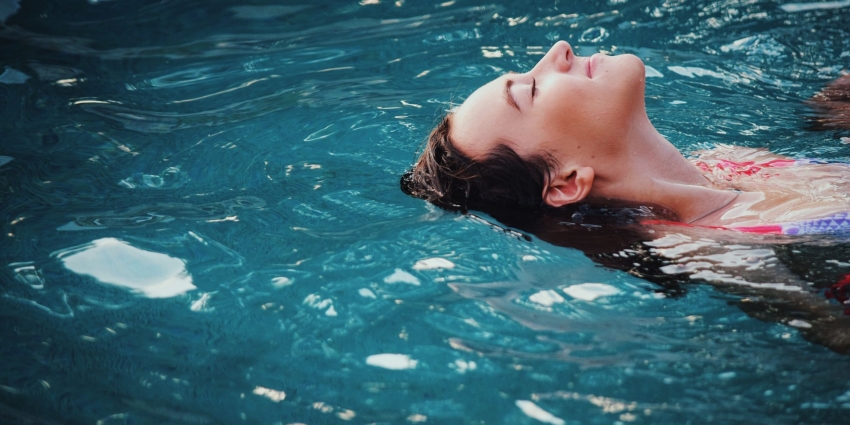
831,106
446,177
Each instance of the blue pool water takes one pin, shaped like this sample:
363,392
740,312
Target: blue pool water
200,219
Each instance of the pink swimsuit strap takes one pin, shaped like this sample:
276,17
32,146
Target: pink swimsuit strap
748,168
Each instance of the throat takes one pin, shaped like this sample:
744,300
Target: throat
670,166
690,199
648,169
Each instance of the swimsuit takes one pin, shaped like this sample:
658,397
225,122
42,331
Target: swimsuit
748,168
836,223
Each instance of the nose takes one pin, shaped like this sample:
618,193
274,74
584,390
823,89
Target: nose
559,58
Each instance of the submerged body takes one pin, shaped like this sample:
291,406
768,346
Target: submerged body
556,151
777,194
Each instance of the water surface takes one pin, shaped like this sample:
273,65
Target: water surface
200,219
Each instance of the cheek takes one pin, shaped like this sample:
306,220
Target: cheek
572,127
587,114
621,99
595,118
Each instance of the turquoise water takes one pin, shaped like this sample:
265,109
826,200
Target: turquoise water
200,219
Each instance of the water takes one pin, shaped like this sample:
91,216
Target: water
201,220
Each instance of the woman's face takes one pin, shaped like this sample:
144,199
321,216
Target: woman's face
565,104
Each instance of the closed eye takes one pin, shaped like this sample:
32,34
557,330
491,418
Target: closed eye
533,87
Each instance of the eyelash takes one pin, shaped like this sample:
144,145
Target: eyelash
533,87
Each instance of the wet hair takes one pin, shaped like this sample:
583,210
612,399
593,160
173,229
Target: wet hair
509,188
446,177
831,107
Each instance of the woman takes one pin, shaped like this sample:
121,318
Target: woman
548,151
575,130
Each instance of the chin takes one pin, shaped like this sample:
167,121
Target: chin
625,68
633,66
628,84
629,75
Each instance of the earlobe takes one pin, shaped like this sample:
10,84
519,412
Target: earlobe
571,187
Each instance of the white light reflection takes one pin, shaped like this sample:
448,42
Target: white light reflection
590,291
652,72
201,303
115,262
546,298
433,264
273,395
401,276
534,411
818,5
392,361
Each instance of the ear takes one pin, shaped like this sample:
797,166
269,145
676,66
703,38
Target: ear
570,187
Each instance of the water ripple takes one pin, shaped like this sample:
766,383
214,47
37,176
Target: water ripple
144,215
360,30
148,121
308,261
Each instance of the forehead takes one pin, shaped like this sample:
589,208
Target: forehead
481,120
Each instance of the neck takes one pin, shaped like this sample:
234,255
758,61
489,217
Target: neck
648,169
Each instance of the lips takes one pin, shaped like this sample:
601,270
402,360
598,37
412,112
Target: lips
589,66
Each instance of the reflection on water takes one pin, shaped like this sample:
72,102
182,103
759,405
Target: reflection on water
145,215
534,411
13,76
115,262
391,361
815,5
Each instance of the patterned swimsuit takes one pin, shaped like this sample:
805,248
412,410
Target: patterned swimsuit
836,223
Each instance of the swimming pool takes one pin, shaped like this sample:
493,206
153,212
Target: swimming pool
201,221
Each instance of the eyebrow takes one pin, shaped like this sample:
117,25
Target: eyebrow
508,97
